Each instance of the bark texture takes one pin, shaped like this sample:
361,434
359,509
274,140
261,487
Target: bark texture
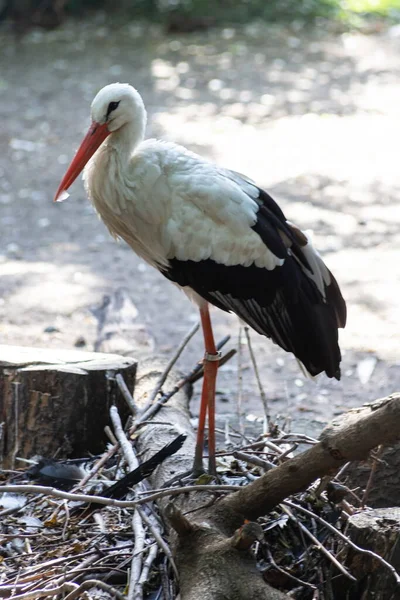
385,488
377,530
57,402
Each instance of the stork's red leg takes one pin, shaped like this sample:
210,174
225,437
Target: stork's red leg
211,359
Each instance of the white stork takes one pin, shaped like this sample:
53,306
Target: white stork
213,232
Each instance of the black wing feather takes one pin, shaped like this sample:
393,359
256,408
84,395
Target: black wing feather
283,304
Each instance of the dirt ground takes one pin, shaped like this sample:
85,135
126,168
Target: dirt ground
312,116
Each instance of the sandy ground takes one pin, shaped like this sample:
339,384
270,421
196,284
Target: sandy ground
312,116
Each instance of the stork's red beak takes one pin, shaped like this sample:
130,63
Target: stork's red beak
95,136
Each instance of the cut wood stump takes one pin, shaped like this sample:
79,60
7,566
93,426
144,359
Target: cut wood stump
56,402
377,530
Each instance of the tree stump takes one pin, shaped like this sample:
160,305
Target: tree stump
377,530
56,402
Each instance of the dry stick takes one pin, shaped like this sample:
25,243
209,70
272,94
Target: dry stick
198,371
231,434
100,463
286,573
123,441
55,591
29,571
226,433
188,488
159,539
126,393
48,491
110,435
274,447
342,471
65,526
345,538
254,460
134,591
290,450
190,378
170,364
166,583
16,581
374,467
137,566
146,567
257,374
317,543
89,583
74,570
299,438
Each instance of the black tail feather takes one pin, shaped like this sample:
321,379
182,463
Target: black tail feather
283,304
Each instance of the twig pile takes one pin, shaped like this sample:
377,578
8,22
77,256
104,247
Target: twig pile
51,548
55,544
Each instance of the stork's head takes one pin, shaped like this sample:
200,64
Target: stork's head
115,106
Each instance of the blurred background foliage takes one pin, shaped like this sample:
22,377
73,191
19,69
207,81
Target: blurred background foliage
190,15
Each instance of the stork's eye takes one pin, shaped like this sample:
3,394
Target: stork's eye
112,106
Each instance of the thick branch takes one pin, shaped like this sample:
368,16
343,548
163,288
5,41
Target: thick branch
213,561
349,437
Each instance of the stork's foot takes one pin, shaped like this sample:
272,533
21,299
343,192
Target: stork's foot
203,477
198,467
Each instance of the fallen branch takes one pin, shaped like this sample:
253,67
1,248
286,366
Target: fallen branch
161,493
349,437
46,592
263,395
135,592
123,388
159,539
